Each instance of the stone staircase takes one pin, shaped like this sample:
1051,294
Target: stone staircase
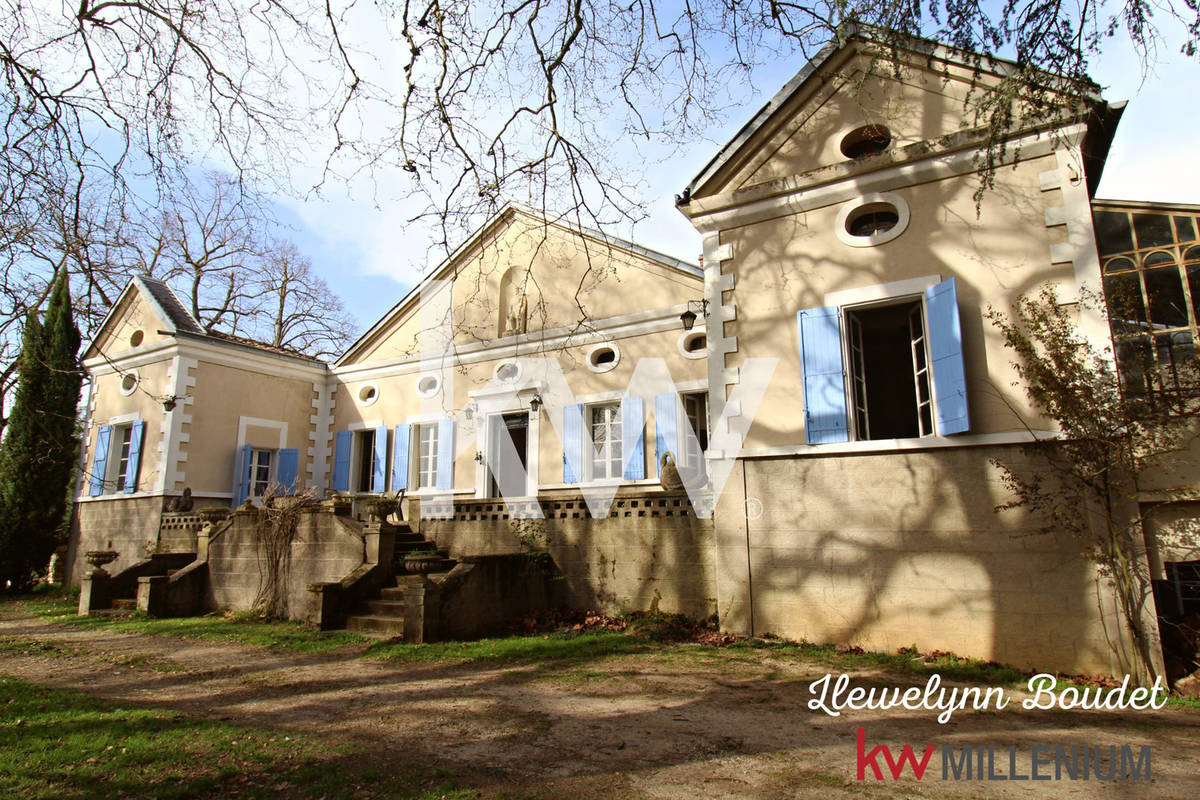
383,616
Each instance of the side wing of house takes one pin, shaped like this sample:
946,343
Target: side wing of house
844,237
172,407
437,397
866,260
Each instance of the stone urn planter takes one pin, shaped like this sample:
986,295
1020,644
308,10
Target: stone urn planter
422,563
100,558
380,510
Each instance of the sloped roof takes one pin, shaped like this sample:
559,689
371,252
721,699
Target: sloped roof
169,304
177,320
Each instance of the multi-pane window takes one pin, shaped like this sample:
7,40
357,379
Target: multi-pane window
605,423
695,407
260,472
124,437
889,372
427,452
1150,261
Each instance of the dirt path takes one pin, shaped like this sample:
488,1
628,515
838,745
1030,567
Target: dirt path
675,724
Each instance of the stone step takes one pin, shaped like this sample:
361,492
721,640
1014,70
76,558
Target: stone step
386,607
409,536
393,594
125,603
374,625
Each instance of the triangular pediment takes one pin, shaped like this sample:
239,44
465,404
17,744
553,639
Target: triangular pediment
522,276
139,319
920,96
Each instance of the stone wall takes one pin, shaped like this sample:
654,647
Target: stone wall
650,552
886,550
127,525
326,549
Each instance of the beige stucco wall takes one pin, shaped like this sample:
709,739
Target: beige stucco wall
569,279
223,396
109,404
886,551
791,263
397,401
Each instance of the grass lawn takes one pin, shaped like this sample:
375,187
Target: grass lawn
56,743
61,608
652,636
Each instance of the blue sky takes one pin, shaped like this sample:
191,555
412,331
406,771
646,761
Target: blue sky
367,249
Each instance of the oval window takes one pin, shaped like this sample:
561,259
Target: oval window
507,372
368,394
428,385
873,219
603,357
129,382
136,339
693,344
869,140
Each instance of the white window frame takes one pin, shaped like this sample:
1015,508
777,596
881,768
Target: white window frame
590,450
114,473
687,457
424,480
257,422
272,470
882,296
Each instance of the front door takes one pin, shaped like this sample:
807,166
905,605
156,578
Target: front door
508,455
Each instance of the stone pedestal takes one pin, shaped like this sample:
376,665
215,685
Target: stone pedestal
422,599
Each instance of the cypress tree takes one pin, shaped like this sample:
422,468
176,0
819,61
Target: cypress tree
38,454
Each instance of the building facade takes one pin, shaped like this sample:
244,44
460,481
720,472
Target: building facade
840,404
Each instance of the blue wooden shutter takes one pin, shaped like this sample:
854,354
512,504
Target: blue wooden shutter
288,471
400,458
824,380
243,475
445,456
136,433
379,461
946,358
100,460
572,437
666,427
341,461
633,438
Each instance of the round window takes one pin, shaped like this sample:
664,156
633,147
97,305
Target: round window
428,385
368,394
129,382
603,357
693,344
866,141
136,339
872,219
508,371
